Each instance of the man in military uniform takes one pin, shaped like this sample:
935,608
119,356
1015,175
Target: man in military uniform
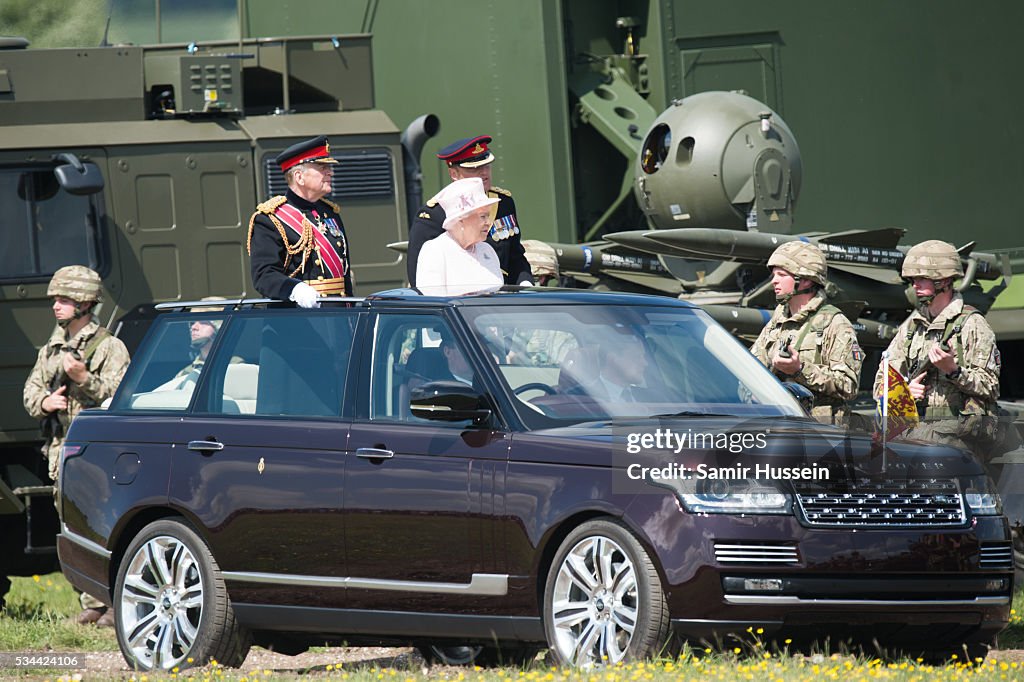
297,243
808,340
80,366
947,351
471,158
201,336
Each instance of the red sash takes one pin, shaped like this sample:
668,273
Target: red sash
292,217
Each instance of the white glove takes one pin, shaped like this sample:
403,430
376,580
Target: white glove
305,296
526,283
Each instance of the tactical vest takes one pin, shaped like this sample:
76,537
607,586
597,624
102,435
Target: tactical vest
819,321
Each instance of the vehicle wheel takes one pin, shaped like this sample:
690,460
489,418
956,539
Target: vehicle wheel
603,600
486,656
170,604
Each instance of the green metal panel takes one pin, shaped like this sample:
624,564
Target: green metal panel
54,85
494,67
162,198
905,111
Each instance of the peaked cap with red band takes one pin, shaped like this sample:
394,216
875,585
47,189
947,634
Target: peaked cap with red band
471,152
316,150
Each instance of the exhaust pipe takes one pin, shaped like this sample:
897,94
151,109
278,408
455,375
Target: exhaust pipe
413,139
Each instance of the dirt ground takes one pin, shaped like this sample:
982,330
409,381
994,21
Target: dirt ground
110,663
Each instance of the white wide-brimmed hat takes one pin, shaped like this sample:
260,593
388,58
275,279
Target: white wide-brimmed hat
462,197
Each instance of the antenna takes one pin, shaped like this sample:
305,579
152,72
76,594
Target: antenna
106,31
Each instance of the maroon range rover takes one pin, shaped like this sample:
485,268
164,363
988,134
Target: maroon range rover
483,476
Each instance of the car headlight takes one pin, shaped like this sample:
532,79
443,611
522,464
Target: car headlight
981,496
739,496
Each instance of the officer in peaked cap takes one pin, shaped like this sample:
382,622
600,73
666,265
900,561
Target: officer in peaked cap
297,243
471,158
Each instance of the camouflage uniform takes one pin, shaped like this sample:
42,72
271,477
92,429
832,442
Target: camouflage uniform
821,335
106,363
957,409
105,358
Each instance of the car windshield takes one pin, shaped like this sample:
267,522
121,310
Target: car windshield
567,364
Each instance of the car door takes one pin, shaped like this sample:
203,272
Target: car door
260,460
419,495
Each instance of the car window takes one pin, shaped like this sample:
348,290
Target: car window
601,361
266,364
280,365
409,351
164,376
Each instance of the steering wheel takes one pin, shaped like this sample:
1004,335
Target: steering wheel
535,386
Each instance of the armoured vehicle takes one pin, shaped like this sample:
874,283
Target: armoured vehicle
895,131
145,163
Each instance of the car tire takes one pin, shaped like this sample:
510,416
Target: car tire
596,616
170,603
486,656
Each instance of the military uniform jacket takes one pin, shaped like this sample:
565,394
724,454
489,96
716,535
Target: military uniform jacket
278,265
829,354
504,237
976,388
106,366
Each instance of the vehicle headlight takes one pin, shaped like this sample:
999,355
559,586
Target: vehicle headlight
740,496
981,496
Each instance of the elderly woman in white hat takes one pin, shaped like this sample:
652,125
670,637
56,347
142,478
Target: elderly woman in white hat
460,261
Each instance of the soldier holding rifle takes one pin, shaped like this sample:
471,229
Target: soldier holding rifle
947,351
80,366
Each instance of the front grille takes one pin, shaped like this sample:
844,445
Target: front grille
358,174
996,557
906,504
733,553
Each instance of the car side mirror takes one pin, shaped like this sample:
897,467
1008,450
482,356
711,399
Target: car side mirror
802,394
448,401
77,177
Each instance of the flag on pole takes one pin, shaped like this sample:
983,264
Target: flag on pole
896,410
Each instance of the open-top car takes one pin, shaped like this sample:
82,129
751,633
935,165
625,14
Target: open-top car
598,474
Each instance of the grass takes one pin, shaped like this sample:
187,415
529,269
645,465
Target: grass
39,617
39,610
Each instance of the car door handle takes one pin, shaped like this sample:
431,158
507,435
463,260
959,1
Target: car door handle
205,445
374,453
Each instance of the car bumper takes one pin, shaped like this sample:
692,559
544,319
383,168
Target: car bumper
85,564
786,579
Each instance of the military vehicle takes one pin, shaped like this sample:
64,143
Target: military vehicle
896,129
145,163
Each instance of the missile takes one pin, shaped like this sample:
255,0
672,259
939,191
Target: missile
597,257
875,248
748,323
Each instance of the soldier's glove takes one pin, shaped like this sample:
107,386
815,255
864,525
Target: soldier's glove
305,296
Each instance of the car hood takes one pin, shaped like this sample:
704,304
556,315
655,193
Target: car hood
782,441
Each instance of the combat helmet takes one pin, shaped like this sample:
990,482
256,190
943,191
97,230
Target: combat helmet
76,282
211,309
803,260
542,258
933,259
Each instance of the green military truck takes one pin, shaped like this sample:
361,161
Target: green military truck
902,111
145,164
